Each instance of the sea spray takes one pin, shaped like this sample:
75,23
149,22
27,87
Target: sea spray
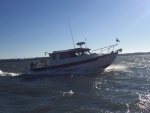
116,68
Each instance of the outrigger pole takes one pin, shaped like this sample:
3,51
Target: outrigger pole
71,33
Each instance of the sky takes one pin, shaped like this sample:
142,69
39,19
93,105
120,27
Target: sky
29,28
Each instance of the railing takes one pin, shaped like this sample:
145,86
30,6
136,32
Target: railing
108,49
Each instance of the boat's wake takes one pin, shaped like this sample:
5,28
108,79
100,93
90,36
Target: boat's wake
8,73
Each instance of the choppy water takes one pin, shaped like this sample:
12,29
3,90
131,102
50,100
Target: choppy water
124,87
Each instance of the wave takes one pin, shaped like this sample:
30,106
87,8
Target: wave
8,73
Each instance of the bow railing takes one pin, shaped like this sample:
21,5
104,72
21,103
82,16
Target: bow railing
107,49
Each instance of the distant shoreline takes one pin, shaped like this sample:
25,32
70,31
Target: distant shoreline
136,53
23,59
42,58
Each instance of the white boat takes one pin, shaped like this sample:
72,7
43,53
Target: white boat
76,61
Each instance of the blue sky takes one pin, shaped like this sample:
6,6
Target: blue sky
28,28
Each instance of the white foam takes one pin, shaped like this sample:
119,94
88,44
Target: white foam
116,68
1,72
8,73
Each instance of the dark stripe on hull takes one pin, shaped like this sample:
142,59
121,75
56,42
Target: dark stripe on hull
72,64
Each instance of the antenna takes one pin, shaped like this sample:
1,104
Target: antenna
85,43
71,32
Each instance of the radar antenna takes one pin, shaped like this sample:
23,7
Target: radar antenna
80,44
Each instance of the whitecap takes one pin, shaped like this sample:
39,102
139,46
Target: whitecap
68,93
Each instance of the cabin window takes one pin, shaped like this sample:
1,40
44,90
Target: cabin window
88,52
64,55
54,57
82,53
73,54
68,55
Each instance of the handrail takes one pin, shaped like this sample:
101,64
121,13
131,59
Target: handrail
106,48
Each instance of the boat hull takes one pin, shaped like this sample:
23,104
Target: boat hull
84,67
